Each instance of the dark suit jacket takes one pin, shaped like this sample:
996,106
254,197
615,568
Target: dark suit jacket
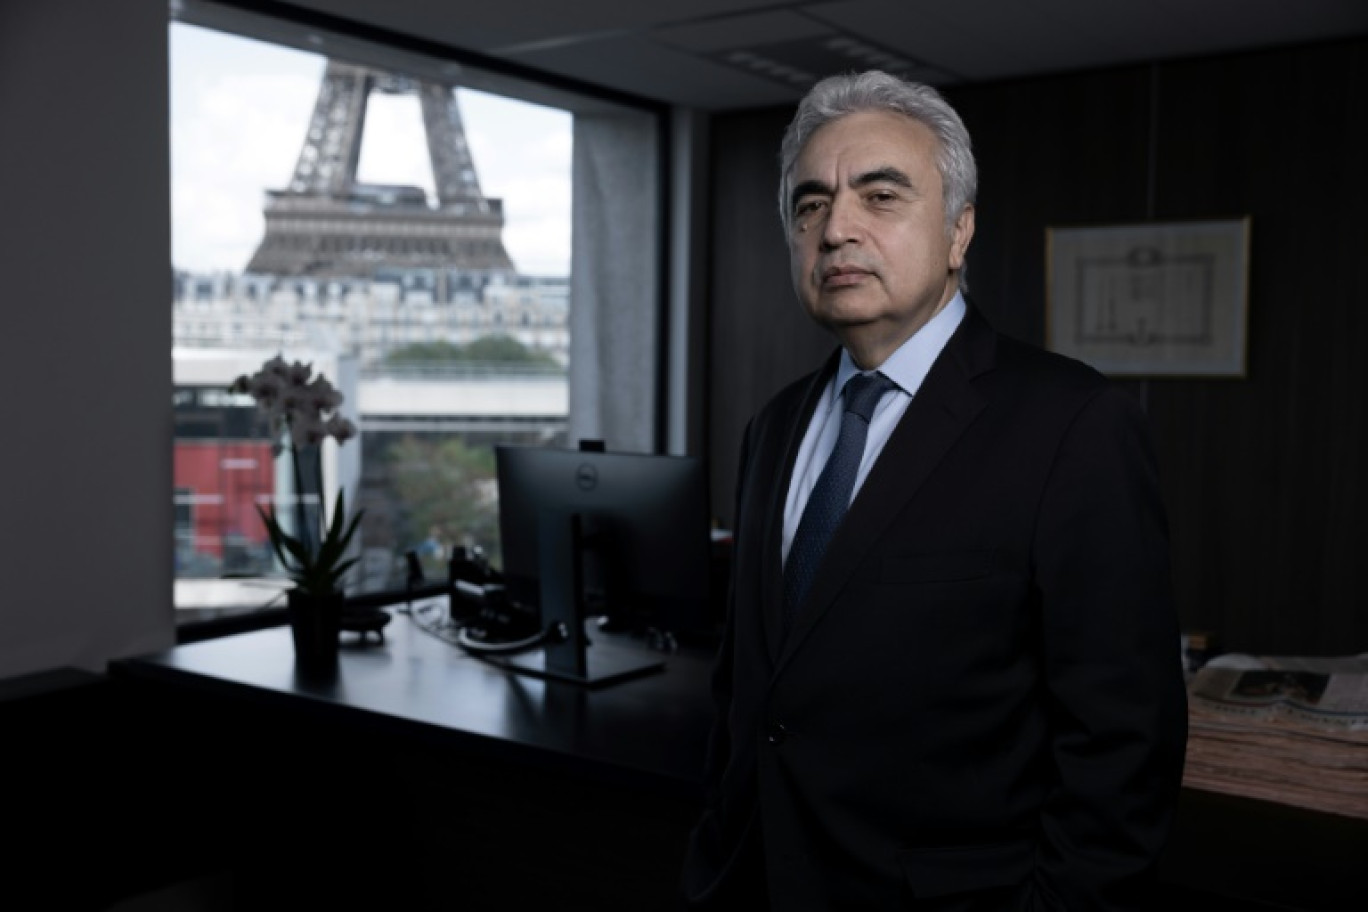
981,703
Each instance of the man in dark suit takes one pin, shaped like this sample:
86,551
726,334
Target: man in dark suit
950,677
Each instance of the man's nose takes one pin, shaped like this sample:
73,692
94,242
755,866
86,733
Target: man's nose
842,224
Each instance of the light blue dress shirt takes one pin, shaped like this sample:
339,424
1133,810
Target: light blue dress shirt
907,367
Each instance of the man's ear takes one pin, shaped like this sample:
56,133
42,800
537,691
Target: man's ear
960,235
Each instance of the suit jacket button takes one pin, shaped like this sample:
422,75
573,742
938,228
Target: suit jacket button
777,733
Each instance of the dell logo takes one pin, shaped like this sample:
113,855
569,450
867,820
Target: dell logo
586,477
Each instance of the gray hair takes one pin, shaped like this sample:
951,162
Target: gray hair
837,96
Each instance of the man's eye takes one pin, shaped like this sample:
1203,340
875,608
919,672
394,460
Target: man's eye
882,196
807,207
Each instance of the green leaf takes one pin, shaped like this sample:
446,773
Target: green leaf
339,571
276,534
338,514
315,573
336,536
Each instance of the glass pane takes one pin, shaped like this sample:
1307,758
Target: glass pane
407,238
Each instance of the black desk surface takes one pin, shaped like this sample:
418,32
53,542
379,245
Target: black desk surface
651,730
650,733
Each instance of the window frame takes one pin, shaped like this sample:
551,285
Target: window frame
330,35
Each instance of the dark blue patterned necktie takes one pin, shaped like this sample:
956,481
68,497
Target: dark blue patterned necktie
830,496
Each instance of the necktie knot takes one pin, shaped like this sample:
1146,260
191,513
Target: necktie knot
863,392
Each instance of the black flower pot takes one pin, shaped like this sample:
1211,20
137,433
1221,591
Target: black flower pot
315,621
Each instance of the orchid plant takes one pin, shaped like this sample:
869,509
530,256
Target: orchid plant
303,413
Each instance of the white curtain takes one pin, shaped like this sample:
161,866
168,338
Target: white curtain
615,281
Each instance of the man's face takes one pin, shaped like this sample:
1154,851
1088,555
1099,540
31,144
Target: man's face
870,255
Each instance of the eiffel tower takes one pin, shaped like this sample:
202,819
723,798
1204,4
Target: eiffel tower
326,225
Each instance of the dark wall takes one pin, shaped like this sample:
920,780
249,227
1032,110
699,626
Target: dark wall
1268,505
759,337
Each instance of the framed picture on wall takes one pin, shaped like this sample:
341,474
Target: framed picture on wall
1150,300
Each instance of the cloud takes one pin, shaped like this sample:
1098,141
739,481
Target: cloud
240,110
229,147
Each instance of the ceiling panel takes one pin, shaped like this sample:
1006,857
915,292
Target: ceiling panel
722,54
514,26
1212,26
934,35
721,34
659,72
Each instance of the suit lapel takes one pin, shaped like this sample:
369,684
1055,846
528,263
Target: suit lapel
773,566
944,406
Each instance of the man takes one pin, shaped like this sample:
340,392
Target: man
964,692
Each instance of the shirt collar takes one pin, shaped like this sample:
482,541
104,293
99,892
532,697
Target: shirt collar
911,362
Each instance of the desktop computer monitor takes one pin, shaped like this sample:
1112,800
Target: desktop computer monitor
624,537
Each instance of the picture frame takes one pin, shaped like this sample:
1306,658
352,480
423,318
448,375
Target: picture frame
1164,299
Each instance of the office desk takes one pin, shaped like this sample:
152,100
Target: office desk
521,790
651,730
515,792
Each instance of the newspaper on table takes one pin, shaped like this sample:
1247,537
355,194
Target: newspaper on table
1288,729
1327,693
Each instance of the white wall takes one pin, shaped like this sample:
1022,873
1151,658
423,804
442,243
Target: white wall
85,333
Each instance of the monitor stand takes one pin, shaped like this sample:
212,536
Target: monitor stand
572,656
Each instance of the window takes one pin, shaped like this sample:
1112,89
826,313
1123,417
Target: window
406,225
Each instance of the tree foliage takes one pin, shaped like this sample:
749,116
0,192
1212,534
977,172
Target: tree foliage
497,349
448,493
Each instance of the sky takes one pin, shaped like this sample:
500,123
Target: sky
239,111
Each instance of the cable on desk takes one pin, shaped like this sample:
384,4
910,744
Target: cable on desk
459,633
441,627
553,633
462,633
